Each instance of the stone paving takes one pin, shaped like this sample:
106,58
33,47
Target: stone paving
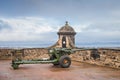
77,71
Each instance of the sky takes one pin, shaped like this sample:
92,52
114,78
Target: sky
40,20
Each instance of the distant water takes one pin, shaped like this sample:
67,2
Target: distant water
6,44
99,44
24,44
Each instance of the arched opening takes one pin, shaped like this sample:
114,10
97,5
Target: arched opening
64,42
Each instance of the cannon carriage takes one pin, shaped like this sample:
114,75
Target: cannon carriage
57,56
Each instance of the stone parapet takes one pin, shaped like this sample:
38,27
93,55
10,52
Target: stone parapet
107,57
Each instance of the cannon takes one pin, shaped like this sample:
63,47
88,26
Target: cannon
57,56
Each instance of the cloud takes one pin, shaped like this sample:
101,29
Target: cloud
25,28
98,31
44,29
103,26
80,27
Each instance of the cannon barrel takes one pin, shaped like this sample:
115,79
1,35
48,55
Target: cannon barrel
82,49
70,51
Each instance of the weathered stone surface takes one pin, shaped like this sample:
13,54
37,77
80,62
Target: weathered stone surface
5,53
108,57
37,53
66,32
28,53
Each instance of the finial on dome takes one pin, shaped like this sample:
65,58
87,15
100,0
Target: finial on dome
66,23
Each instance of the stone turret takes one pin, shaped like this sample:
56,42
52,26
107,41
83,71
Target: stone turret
66,37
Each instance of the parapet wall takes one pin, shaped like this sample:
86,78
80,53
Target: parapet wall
28,53
36,53
5,53
105,57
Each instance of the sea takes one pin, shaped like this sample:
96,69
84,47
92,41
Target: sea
42,44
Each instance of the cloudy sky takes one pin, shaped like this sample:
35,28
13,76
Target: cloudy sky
39,20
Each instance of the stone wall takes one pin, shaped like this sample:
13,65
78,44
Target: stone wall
69,42
5,53
28,53
36,53
107,57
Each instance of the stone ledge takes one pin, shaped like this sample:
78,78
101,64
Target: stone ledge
99,63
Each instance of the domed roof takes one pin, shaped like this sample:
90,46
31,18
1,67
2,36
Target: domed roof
66,29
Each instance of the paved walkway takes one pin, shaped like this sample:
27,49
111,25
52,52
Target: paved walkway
77,71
